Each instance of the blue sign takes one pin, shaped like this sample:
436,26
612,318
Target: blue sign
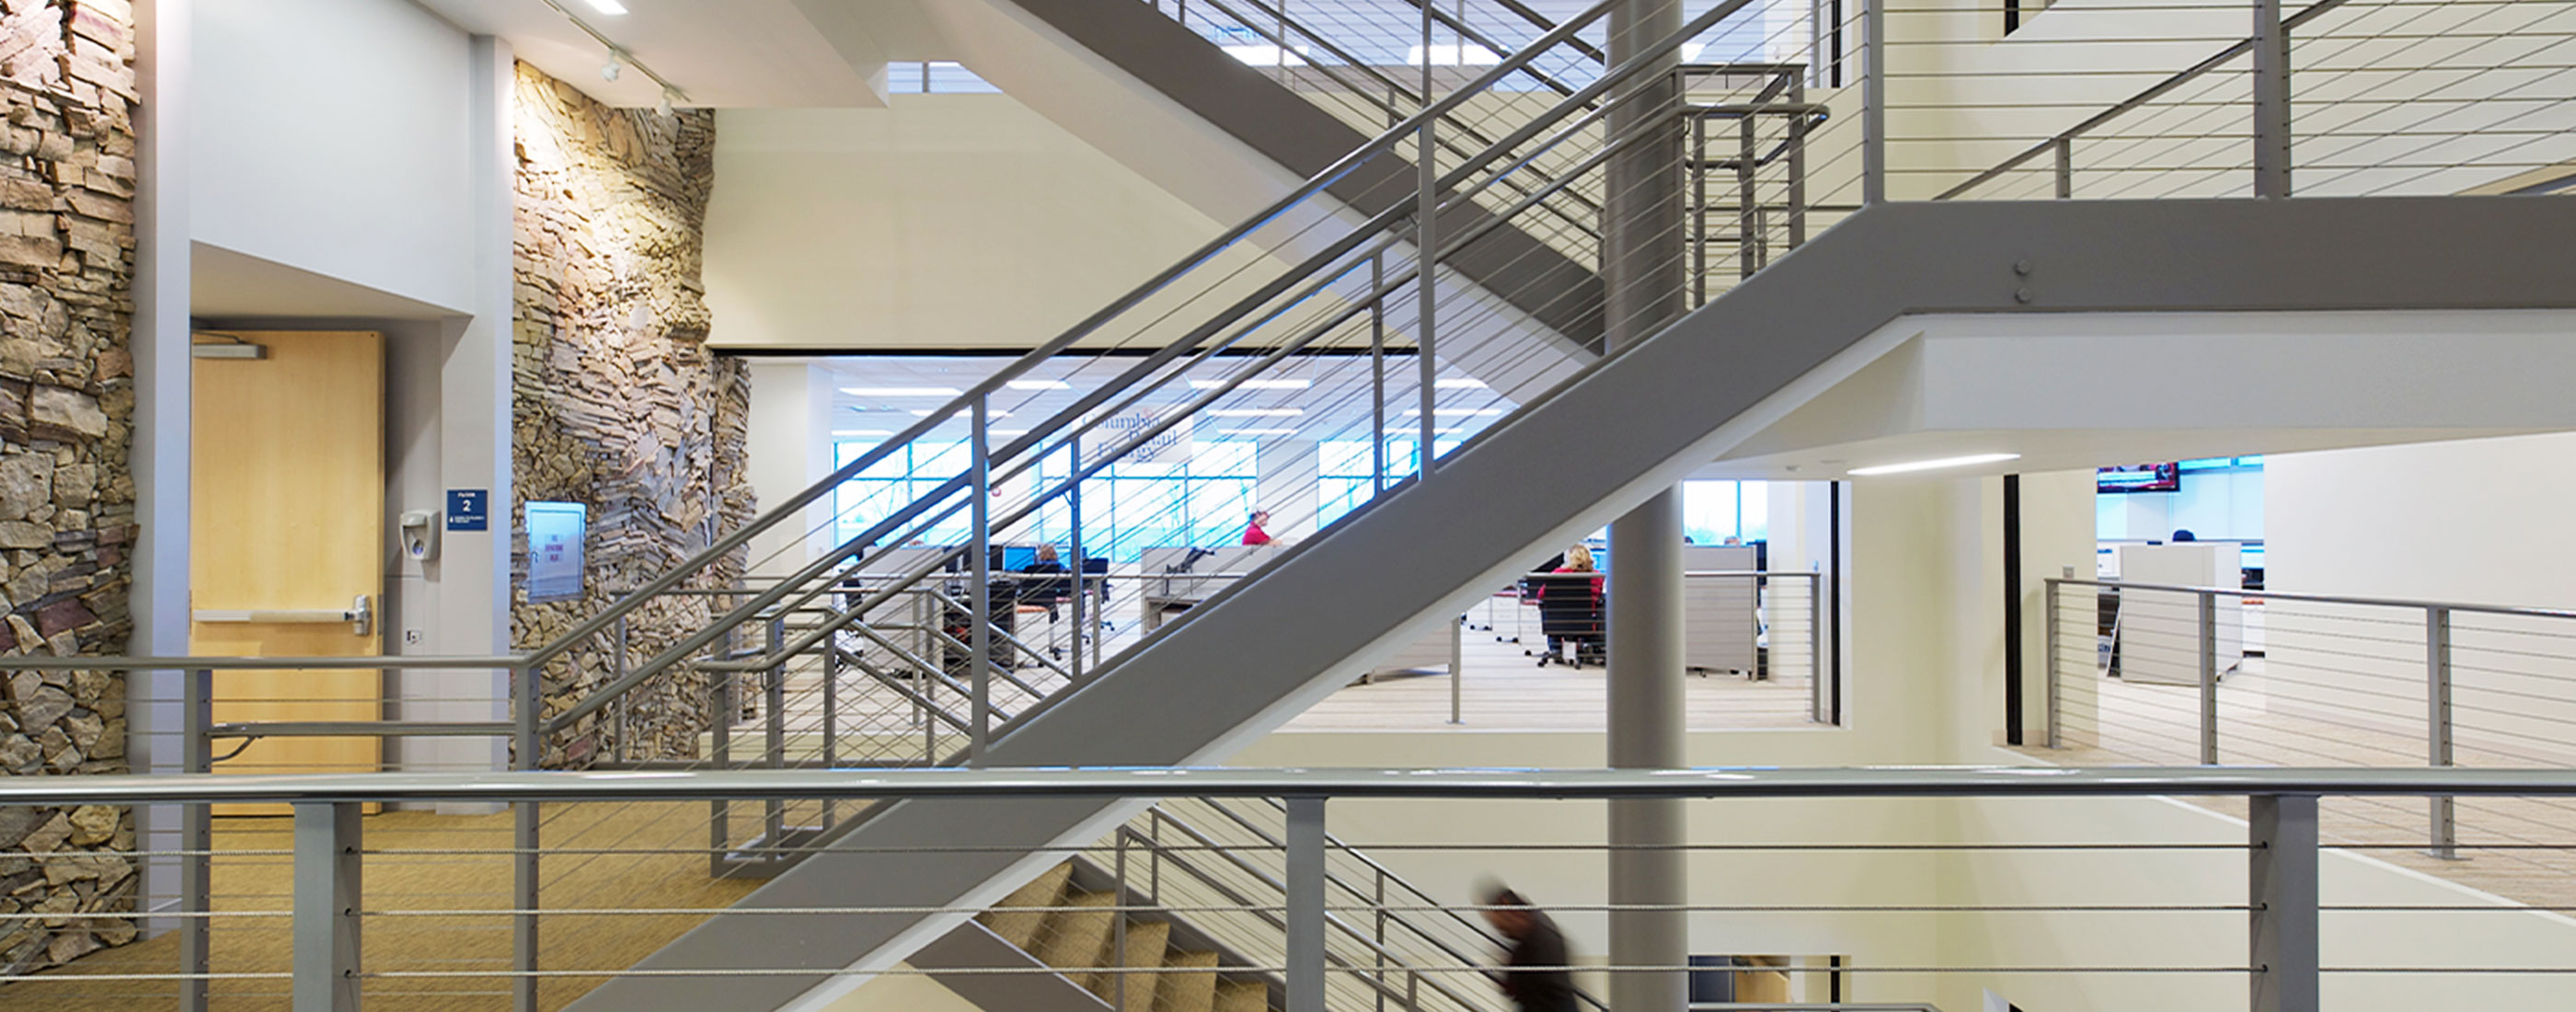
469,509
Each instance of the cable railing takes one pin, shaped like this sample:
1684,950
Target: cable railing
2345,98
2144,673
339,905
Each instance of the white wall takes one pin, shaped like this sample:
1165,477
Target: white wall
333,136
2481,520
942,221
790,448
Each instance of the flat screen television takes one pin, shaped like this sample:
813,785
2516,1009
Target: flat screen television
2139,478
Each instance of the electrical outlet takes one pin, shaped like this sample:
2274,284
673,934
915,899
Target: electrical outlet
413,637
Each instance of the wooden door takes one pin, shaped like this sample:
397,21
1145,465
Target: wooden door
287,516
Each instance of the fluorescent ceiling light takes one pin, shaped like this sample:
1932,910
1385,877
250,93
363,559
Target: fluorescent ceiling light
1454,55
861,432
1256,432
1254,412
995,413
903,391
1039,385
609,7
1200,384
1268,55
1006,432
1458,383
1458,412
1927,465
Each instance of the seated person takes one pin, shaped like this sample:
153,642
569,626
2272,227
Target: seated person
1570,605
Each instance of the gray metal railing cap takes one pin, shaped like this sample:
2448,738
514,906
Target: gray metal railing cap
83,663
2278,595
1493,784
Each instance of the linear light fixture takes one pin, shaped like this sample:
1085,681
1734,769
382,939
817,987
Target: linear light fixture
1256,432
609,7
1929,465
1289,384
1459,412
1039,385
1409,432
1254,412
903,391
1458,383
995,413
861,432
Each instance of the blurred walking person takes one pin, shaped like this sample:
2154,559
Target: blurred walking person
1534,977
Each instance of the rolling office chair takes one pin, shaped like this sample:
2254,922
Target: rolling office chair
1568,612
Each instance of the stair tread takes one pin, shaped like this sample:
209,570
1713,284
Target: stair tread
1187,992
1020,927
1146,944
1242,996
1077,934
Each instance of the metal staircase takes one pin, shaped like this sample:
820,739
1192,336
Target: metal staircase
894,636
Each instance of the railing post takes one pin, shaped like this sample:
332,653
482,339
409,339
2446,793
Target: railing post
2283,876
1305,881
1081,576
2208,640
831,715
2271,101
2049,666
529,742
2065,168
1816,649
196,839
1873,111
1748,211
327,863
1457,665
2438,727
620,713
980,567
774,700
1426,239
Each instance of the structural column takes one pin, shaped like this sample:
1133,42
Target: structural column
1642,258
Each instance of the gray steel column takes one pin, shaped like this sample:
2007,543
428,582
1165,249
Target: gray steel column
1457,666
2271,101
1305,899
1426,257
327,895
1873,108
2283,877
2049,665
1073,535
1642,261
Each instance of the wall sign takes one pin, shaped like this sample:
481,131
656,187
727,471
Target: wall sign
555,532
469,509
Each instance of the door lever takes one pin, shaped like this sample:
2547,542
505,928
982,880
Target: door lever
361,615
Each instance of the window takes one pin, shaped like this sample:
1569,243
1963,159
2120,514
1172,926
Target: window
1126,508
1344,479
1713,511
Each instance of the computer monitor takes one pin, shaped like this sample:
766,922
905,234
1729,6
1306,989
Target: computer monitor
1013,558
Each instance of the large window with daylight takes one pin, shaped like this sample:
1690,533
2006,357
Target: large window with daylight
1345,473
1713,511
1128,507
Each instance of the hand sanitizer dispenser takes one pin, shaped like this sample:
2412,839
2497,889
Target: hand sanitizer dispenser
420,535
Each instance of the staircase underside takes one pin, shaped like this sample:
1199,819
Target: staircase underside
1235,668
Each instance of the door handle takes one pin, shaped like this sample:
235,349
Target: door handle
361,614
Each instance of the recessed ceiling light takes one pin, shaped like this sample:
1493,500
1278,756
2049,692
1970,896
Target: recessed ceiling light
861,432
1458,383
1254,412
609,7
903,391
1039,385
995,413
1203,384
1928,465
1256,432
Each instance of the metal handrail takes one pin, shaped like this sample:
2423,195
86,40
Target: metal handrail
1021,447
2277,595
2154,91
1514,784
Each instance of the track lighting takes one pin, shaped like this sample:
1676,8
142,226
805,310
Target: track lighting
616,66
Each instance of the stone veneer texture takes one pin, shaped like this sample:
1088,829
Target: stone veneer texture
67,95
618,403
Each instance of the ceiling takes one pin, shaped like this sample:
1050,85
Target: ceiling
225,284
1335,403
722,53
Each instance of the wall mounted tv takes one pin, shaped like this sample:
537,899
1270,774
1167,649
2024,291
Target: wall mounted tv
2139,478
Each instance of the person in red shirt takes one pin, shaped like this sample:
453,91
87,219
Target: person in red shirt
1578,559
1252,532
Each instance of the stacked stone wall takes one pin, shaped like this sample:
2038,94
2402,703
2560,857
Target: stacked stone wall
67,179
618,403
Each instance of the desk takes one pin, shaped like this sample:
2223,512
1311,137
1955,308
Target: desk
1211,571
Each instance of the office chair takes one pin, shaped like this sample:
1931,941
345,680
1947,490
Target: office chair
1568,612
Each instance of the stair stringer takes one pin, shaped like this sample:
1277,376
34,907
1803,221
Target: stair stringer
1235,668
